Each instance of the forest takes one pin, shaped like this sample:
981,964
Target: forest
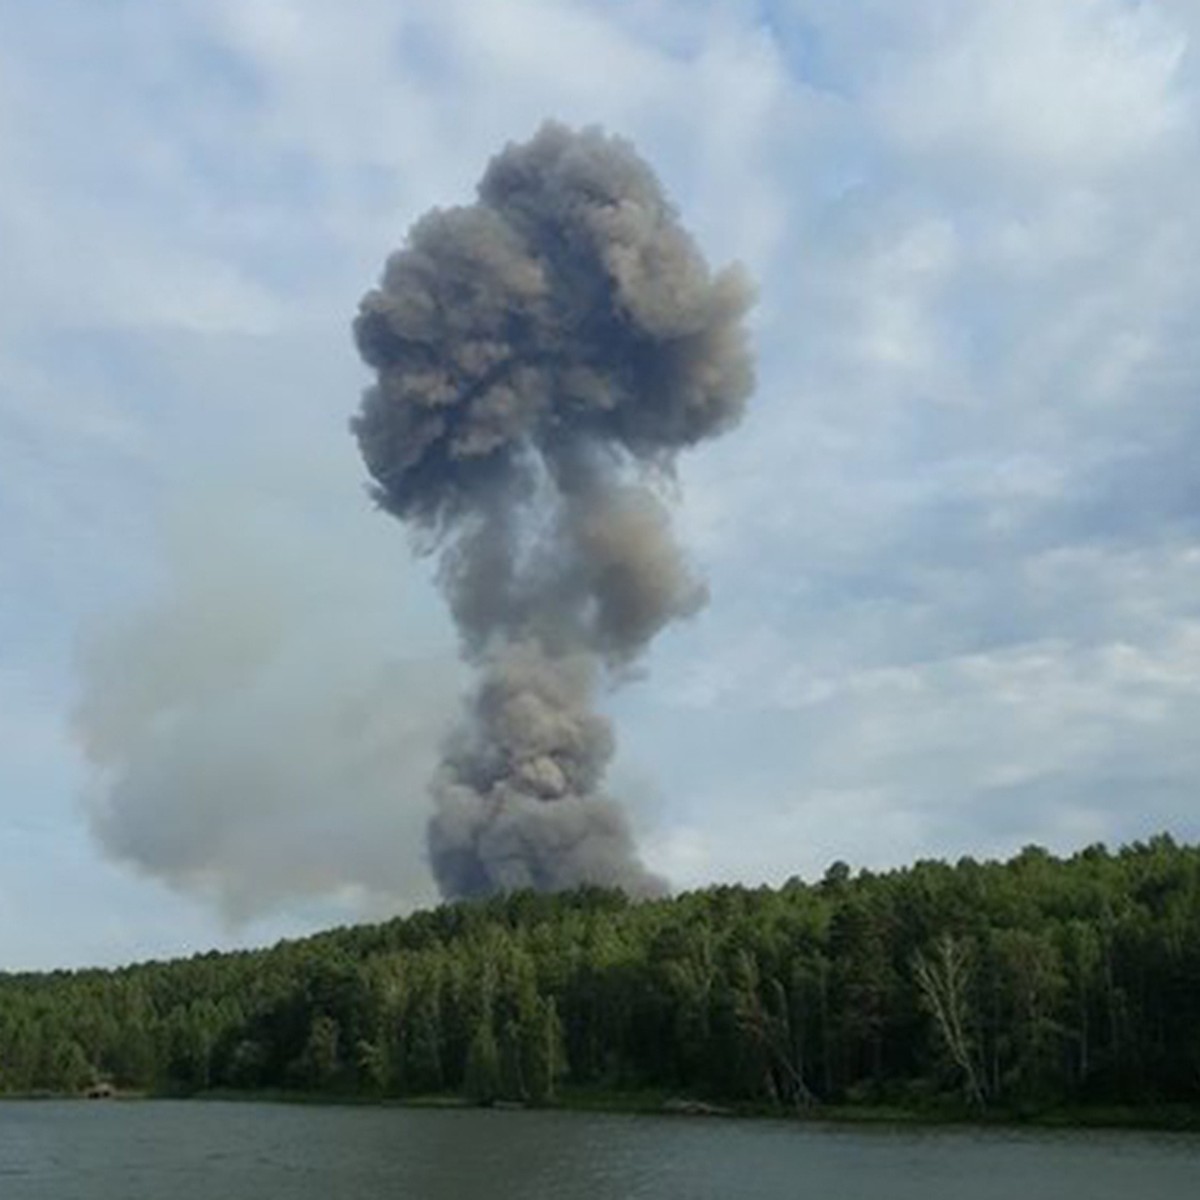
1012,987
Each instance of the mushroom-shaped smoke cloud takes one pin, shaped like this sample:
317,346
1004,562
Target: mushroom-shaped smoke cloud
541,356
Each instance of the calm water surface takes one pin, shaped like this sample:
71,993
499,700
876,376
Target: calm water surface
184,1150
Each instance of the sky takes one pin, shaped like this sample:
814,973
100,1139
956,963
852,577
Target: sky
953,550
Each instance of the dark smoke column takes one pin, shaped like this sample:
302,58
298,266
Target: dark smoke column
541,356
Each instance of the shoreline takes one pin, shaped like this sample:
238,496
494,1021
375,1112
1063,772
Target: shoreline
1164,1118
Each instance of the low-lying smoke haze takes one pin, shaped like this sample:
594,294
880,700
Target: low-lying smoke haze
542,355
251,745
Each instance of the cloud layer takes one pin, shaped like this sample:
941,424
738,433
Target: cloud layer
953,551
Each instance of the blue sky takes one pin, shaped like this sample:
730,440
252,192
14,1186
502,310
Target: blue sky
954,550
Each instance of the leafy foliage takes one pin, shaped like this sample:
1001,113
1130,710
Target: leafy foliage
1032,982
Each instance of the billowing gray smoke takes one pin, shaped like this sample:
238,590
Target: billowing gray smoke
541,356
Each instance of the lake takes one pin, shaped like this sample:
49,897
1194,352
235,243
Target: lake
182,1150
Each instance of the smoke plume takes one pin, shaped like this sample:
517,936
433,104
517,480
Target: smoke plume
541,357
249,743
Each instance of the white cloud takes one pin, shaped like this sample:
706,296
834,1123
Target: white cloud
954,551
1058,88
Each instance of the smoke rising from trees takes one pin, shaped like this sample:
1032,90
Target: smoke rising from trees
541,357
249,743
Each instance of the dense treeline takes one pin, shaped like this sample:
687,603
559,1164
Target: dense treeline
1029,983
